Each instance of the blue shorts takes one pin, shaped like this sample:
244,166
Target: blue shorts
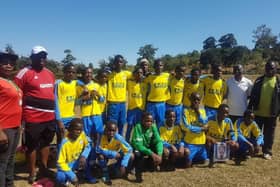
197,152
211,112
117,112
66,121
134,116
158,112
93,125
243,146
178,109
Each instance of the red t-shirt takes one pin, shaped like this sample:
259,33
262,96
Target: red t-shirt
10,104
38,94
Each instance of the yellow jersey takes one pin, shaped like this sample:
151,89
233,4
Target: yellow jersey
221,132
117,86
157,85
176,88
136,94
214,91
65,97
189,88
192,124
170,135
71,150
91,106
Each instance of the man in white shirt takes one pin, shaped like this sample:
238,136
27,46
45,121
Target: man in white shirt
239,89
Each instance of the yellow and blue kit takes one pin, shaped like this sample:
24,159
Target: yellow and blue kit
117,82
136,92
189,88
69,153
171,136
251,133
90,109
65,97
221,132
194,137
116,97
110,148
174,103
157,94
214,93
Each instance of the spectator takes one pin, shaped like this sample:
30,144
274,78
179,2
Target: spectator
37,84
265,102
10,118
239,90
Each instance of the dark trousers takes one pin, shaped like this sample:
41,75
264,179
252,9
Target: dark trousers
7,158
267,125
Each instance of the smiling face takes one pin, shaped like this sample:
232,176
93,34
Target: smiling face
223,112
195,100
6,67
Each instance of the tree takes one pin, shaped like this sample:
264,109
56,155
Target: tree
210,56
69,58
227,41
263,37
209,43
148,52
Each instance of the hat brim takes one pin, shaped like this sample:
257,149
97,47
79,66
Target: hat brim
9,56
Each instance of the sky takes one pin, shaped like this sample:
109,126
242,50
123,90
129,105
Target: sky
96,29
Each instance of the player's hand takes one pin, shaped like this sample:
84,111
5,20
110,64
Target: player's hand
257,149
251,149
173,149
204,128
82,162
118,156
3,137
156,158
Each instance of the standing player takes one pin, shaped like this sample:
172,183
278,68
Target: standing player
117,83
65,97
215,89
158,92
176,86
192,84
37,84
101,78
136,100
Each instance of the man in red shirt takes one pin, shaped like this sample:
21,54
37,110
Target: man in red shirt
10,118
37,84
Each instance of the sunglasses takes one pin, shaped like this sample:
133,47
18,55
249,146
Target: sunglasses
6,62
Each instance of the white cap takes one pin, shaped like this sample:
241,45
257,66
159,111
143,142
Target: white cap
144,60
38,49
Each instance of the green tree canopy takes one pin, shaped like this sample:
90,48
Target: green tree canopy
69,58
209,43
227,41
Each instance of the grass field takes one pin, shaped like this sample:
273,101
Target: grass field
254,172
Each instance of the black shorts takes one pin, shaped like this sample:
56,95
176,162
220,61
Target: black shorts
39,135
